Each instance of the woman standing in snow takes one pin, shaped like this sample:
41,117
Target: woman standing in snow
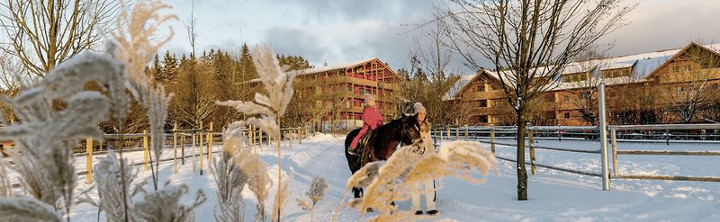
372,119
425,187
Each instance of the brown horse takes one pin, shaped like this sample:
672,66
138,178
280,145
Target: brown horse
382,143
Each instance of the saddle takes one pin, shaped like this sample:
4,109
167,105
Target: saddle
363,141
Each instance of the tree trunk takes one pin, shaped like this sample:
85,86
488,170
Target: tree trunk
521,172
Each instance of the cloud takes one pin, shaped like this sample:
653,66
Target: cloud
661,24
361,10
340,31
295,41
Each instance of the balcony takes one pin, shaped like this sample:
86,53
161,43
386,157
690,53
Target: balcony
390,86
484,95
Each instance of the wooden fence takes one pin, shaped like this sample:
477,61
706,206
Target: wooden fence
200,141
669,134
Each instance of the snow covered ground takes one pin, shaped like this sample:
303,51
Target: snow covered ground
553,195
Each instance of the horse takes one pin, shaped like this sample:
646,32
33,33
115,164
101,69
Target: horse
382,143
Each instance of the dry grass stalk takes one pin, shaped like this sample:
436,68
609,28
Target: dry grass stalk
315,194
231,181
108,175
133,34
27,209
395,179
269,108
5,185
44,136
282,198
250,165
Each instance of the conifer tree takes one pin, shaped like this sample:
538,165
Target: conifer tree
170,67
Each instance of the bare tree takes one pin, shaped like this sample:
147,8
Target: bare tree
42,34
196,102
191,32
431,57
529,43
9,73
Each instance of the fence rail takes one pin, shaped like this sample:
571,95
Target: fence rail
200,140
671,133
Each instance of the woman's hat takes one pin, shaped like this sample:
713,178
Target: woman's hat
418,108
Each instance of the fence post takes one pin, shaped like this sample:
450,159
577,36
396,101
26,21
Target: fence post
193,151
182,149
667,137
88,177
492,138
145,147
532,148
559,135
251,135
613,137
448,133
200,147
457,133
209,146
175,147
603,136
466,132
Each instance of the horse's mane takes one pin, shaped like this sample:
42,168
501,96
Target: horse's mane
392,125
390,130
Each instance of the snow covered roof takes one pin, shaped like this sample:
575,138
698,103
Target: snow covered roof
595,81
458,86
322,69
332,67
715,47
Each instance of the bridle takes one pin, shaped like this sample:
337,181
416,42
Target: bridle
406,134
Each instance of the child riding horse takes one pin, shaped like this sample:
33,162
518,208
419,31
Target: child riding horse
372,119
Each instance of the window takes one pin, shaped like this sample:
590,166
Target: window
483,119
566,98
481,87
688,68
567,116
675,69
705,65
483,103
626,72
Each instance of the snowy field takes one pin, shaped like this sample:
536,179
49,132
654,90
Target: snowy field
553,195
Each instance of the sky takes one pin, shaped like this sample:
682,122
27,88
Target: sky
342,31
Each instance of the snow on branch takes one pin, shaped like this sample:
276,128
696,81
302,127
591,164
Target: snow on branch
107,175
45,136
27,209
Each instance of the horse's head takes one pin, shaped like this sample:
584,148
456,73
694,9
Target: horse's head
410,130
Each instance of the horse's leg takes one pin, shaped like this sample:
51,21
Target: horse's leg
356,192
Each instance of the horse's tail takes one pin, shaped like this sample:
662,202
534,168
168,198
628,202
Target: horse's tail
353,161
350,137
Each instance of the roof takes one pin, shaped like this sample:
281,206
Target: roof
642,64
332,67
327,68
458,86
